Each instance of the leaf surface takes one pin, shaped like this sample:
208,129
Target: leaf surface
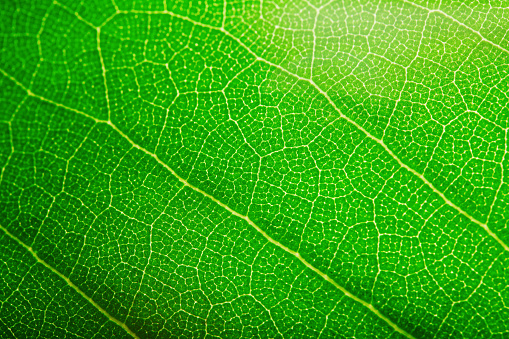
254,169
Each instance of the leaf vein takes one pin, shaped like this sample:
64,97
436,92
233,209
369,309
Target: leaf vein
196,189
353,122
70,283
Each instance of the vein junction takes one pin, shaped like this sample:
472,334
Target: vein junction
187,184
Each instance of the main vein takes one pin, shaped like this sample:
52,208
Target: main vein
265,235
353,122
226,207
336,108
69,282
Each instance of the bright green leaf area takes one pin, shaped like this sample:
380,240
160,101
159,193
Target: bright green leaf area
254,169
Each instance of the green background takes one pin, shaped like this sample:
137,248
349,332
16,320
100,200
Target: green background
254,169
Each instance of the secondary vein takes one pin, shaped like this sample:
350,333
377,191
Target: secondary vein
353,122
69,282
226,207
341,114
265,235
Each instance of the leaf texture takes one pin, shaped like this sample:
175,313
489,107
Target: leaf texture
254,169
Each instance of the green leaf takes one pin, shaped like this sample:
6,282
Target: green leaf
254,169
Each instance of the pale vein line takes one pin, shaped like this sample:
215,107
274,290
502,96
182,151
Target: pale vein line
226,207
342,115
353,122
103,70
69,282
264,234
459,23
